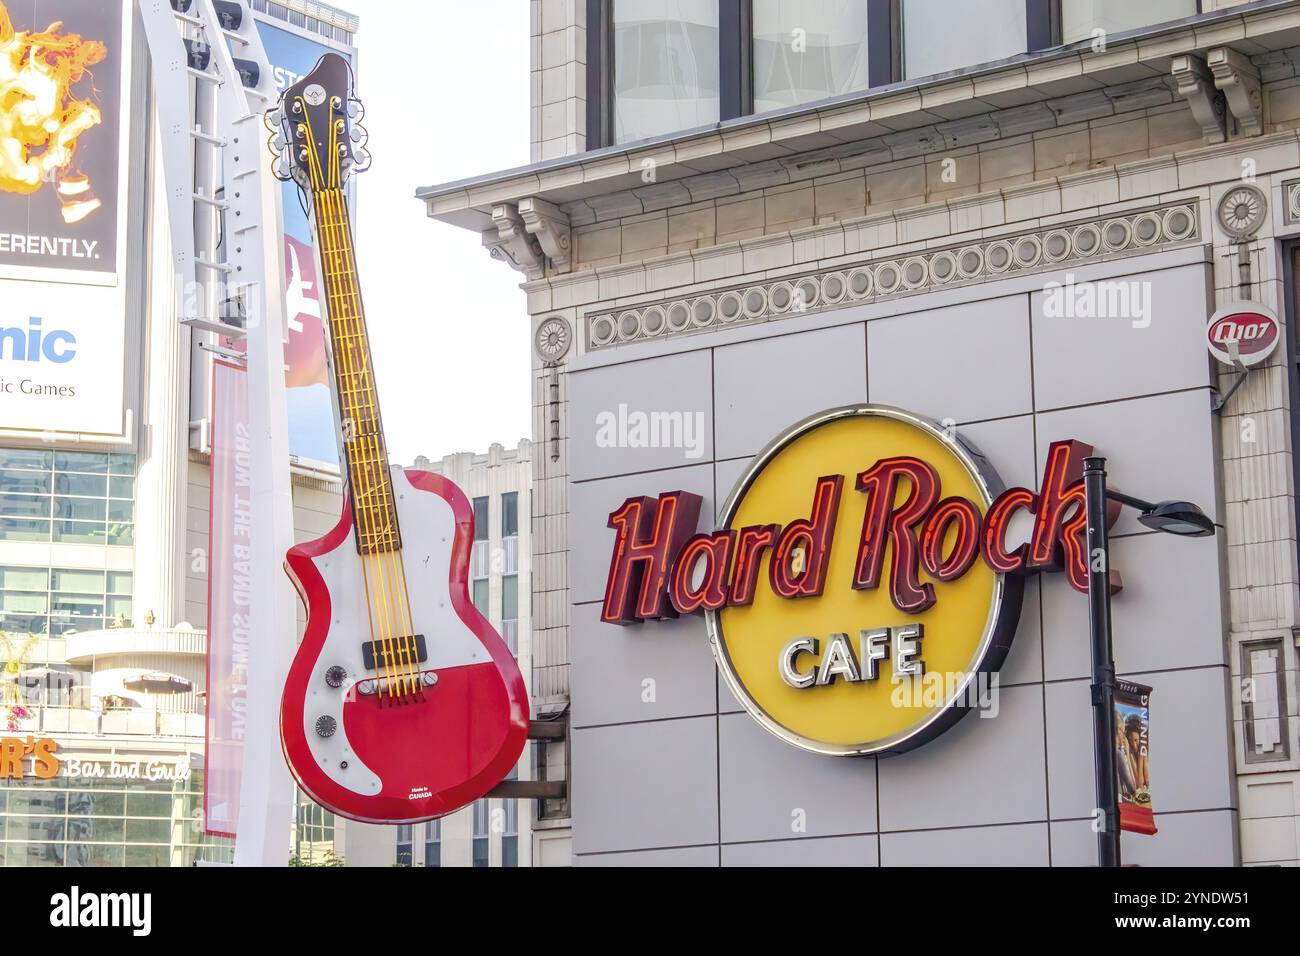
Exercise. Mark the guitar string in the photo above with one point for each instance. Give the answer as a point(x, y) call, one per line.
point(385, 548)
point(364, 519)
point(368, 520)
point(342, 358)
point(388, 549)
point(411, 682)
point(380, 532)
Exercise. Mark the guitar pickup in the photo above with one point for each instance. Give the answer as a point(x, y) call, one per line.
point(375, 655)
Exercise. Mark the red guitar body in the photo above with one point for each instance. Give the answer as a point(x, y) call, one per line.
point(389, 757)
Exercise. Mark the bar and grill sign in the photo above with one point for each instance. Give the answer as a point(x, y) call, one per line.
point(1133, 747)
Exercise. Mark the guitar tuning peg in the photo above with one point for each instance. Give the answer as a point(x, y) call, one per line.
point(355, 110)
point(361, 160)
point(277, 142)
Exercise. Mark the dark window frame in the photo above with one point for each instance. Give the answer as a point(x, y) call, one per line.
point(1042, 24)
point(509, 509)
point(482, 529)
point(735, 58)
point(884, 42)
point(1290, 314)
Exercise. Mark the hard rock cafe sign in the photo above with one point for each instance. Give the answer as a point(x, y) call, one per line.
point(864, 551)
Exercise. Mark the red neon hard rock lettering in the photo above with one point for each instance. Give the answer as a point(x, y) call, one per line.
point(655, 554)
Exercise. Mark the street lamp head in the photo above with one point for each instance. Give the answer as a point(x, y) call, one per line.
point(1178, 517)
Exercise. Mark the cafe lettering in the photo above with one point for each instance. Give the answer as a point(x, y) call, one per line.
point(863, 547)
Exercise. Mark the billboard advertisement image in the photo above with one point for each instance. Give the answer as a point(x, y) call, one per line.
point(310, 408)
point(60, 128)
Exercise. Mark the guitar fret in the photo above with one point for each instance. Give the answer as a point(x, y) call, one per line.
point(369, 478)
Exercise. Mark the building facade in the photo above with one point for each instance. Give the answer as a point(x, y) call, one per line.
point(1014, 222)
point(104, 526)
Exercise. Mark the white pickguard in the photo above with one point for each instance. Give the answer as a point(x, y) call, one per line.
point(428, 529)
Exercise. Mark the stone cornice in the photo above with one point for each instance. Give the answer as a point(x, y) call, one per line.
point(585, 286)
point(1073, 75)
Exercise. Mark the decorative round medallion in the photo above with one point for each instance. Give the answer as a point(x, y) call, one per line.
point(553, 339)
point(1242, 210)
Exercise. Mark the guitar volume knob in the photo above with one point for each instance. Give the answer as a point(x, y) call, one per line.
point(335, 676)
point(326, 725)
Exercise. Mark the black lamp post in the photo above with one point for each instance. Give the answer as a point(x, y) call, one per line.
point(1173, 517)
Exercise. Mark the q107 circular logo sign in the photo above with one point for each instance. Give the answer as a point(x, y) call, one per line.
point(1249, 330)
point(863, 580)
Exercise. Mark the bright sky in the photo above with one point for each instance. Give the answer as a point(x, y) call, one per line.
point(445, 86)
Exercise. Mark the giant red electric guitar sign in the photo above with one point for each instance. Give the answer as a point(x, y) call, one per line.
point(402, 703)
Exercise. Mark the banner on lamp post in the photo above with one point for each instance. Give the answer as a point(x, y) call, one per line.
point(1133, 746)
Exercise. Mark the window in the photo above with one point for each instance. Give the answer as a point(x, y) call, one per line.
point(665, 61)
point(105, 822)
point(479, 556)
point(1079, 18)
point(433, 843)
point(510, 612)
point(510, 838)
point(510, 532)
point(1264, 708)
point(405, 843)
point(939, 35)
point(481, 831)
point(314, 832)
point(510, 514)
point(656, 67)
point(510, 597)
point(83, 497)
point(58, 601)
point(805, 50)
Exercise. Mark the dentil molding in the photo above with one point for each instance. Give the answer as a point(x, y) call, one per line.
point(1051, 247)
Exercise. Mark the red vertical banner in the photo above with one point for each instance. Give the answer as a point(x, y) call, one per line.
point(230, 512)
point(1132, 753)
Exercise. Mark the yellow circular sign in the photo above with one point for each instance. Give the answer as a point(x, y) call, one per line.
point(838, 668)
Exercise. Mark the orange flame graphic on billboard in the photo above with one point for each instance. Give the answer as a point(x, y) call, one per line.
point(40, 119)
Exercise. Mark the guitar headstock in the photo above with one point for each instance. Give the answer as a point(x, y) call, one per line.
point(317, 136)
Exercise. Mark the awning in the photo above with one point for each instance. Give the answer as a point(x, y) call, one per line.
point(158, 682)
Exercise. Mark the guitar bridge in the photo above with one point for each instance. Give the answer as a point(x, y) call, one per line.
point(395, 652)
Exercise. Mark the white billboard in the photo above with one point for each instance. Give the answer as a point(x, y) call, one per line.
point(61, 358)
point(63, 71)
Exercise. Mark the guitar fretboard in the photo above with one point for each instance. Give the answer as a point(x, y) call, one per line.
point(374, 511)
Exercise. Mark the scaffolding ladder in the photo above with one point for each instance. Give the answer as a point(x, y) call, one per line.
point(212, 84)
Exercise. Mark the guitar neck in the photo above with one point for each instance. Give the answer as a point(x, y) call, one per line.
point(374, 509)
